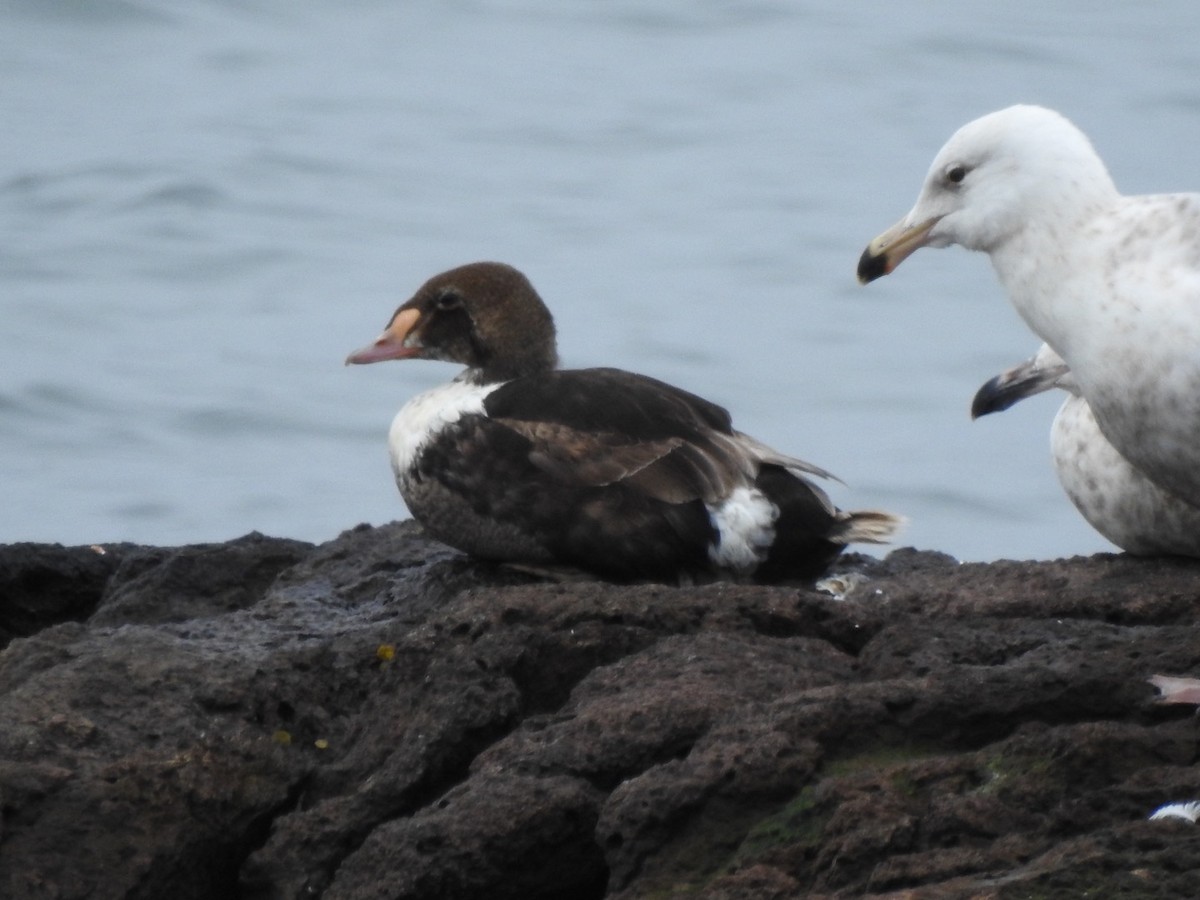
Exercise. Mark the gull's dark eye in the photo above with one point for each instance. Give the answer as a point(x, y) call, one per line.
point(955, 174)
point(448, 299)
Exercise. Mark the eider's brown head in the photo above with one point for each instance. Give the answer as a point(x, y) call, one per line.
point(485, 315)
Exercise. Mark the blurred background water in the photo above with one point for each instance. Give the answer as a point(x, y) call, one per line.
point(204, 206)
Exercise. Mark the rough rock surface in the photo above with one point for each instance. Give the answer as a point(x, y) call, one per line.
point(380, 717)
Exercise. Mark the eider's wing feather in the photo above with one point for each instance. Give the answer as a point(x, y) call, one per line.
point(770, 456)
point(603, 426)
point(608, 400)
point(587, 457)
point(668, 469)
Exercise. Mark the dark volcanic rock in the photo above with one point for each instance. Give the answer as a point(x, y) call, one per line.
point(43, 584)
point(381, 717)
point(178, 584)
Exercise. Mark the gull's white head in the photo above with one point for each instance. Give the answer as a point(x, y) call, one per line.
point(995, 177)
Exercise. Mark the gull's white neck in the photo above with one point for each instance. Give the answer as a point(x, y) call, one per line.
point(1053, 272)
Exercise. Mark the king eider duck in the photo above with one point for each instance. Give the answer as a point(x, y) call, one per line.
point(601, 470)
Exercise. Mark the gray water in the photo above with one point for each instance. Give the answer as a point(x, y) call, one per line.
point(205, 205)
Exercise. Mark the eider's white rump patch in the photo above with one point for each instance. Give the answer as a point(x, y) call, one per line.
point(745, 523)
point(422, 417)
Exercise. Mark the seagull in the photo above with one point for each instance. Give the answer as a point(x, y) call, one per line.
point(1116, 498)
point(1111, 282)
point(601, 470)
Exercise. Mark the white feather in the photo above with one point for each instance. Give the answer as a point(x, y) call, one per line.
point(1189, 811)
point(745, 523)
point(422, 417)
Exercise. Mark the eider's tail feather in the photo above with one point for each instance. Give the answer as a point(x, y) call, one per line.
point(866, 527)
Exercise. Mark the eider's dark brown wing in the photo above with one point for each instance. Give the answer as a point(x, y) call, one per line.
point(669, 469)
point(605, 426)
point(608, 400)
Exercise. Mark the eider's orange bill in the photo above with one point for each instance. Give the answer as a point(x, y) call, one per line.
point(891, 248)
point(394, 343)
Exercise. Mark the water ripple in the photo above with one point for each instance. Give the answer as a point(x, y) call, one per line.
point(92, 12)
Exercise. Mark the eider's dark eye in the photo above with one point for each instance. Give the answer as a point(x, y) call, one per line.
point(955, 174)
point(448, 299)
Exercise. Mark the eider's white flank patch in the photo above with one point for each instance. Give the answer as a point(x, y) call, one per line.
point(426, 414)
point(1189, 811)
point(745, 523)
